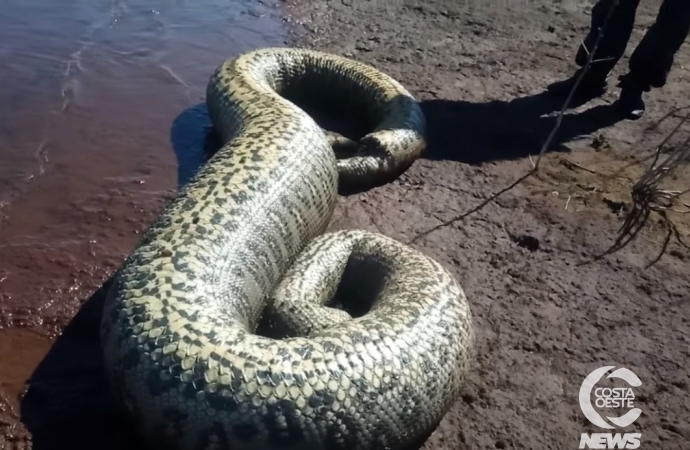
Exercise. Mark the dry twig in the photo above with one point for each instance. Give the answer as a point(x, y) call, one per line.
point(573, 165)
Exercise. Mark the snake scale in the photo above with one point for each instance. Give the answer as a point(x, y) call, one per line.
point(372, 339)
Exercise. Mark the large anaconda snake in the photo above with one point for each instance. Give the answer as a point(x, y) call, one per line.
point(243, 240)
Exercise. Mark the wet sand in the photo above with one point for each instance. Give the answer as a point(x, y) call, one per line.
point(101, 121)
point(102, 118)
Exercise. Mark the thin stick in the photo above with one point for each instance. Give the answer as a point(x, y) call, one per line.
point(667, 239)
point(667, 138)
point(669, 114)
point(569, 164)
point(475, 209)
point(571, 94)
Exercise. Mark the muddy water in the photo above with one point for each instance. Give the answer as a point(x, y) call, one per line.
point(100, 121)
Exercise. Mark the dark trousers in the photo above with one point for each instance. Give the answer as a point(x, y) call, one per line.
point(652, 59)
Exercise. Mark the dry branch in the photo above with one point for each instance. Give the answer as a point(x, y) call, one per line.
point(647, 196)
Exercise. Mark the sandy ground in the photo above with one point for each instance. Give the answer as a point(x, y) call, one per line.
point(544, 320)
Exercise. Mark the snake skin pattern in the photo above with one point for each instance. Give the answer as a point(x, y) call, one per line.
point(365, 341)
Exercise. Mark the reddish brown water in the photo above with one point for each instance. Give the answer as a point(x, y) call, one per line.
point(100, 120)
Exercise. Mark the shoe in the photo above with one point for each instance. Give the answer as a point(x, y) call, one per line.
point(630, 103)
point(591, 87)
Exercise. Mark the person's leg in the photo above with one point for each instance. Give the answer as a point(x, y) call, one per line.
point(653, 58)
point(610, 49)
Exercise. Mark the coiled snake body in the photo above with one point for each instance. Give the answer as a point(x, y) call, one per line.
point(243, 240)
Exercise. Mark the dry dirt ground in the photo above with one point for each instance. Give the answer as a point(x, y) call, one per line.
point(544, 320)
